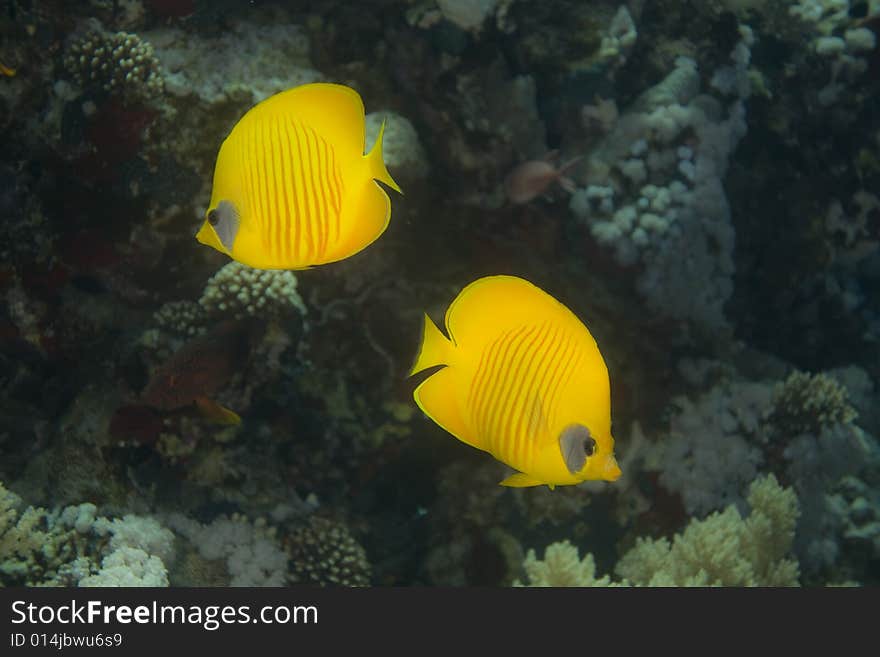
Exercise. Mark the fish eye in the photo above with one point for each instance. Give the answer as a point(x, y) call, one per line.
point(589, 445)
point(576, 444)
point(213, 217)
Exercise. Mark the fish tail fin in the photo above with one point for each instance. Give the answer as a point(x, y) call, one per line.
point(435, 348)
point(214, 412)
point(377, 164)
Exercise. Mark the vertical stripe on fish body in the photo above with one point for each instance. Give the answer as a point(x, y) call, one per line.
point(523, 380)
point(292, 186)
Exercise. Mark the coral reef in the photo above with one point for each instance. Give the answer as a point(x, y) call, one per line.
point(63, 547)
point(655, 185)
point(722, 243)
point(724, 549)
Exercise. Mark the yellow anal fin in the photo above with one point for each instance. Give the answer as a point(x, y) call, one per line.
point(436, 397)
point(522, 480)
point(214, 412)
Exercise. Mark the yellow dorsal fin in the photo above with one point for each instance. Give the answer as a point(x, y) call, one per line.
point(378, 171)
point(434, 350)
point(521, 480)
point(493, 304)
point(335, 111)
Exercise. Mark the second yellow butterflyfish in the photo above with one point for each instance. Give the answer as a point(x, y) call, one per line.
point(292, 185)
point(523, 379)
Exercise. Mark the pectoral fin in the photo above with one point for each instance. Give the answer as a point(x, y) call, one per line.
point(214, 412)
point(521, 480)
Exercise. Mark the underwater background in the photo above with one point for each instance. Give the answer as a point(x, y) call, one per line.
point(697, 181)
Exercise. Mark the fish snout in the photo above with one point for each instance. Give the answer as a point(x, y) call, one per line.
point(611, 471)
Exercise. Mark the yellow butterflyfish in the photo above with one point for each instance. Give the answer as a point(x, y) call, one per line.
point(523, 379)
point(292, 186)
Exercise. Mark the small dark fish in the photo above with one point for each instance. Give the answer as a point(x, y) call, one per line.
point(198, 370)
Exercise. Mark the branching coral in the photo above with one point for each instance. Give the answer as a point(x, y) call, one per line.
point(21, 537)
point(561, 566)
point(725, 549)
point(62, 548)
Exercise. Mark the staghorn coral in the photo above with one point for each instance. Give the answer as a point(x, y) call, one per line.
point(119, 64)
point(323, 552)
